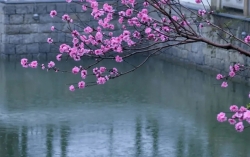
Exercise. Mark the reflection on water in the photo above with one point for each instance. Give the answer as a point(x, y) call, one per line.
point(162, 110)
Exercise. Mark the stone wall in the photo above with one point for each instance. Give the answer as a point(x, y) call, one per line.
point(209, 57)
point(26, 36)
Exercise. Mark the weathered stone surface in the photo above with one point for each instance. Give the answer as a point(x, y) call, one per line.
point(16, 19)
point(15, 39)
point(12, 29)
point(51, 7)
point(33, 48)
point(71, 8)
point(21, 49)
point(24, 9)
point(45, 18)
point(44, 47)
point(9, 49)
point(54, 49)
point(29, 38)
point(61, 7)
point(221, 54)
point(61, 37)
point(28, 19)
point(28, 28)
point(9, 9)
point(41, 8)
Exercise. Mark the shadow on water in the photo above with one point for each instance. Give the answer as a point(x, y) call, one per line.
point(161, 110)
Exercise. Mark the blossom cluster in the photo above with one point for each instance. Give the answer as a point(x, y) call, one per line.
point(232, 72)
point(239, 115)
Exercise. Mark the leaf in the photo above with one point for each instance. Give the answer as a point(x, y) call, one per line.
point(248, 106)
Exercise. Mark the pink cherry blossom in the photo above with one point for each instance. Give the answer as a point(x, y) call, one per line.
point(68, 1)
point(129, 12)
point(231, 73)
point(53, 13)
point(81, 84)
point(224, 84)
point(198, 1)
point(246, 115)
point(242, 109)
point(75, 70)
point(24, 62)
point(118, 59)
point(71, 88)
point(50, 40)
point(102, 69)
point(219, 76)
point(33, 64)
point(231, 121)
point(221, 117)
point(237, 67)
point(83, 74)
point(88, 30)
point(59, 57)
point(148, 30)
point(239, 127)
point(52, 28)
point(234, 108)
point(43, 66)
point(51, 64)
point(247, 39)
point(101, 80)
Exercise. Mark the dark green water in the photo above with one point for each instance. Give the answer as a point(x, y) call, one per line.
point(161, 110)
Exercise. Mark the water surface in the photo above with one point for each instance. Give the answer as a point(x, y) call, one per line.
point(161, 110)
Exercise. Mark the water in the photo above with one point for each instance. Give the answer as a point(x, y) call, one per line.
point(161, 110)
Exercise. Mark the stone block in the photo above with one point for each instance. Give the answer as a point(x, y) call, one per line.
point(33, 48)
point(221, 53)
point(16, 19)
point(218, 63)
point(50, 7)
point(9, 49)
point(54, 49)
point(61, 37)
point(191, 56)
point(28, 28)
point(12, 29)
point(29, 38)
point(79, 8)
point(15, 39)
point(61, 7)
point(207, 60)
point(236, 57)
point(71, 8)
point(84, 17)
point(41, 37)
point(24, 9)
point(40, 56)
point(44, 47)
point(188, 47)
point(28, 19)
point(6, 19)
point(184, 54)
point(197, 47)
point(41, 8)
point(68, 38)
point(9, 9)
point(45, 18)
point(21, 49)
